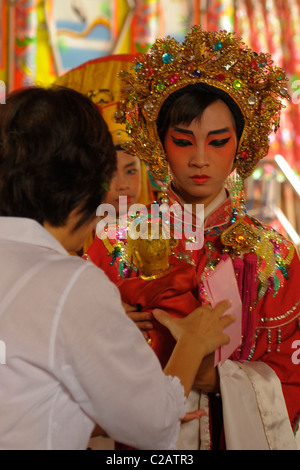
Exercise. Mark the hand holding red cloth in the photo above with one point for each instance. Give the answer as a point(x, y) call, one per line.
point(176, 293)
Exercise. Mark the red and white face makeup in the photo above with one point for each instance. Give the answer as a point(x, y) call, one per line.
point(201, 155)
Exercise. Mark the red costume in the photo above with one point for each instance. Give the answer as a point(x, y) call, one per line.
point(269, 288)
point(176, 293)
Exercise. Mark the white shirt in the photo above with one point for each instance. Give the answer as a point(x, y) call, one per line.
point(73, 357)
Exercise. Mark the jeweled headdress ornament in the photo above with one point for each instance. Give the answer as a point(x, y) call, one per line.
point(117, 130)
point(219, 60)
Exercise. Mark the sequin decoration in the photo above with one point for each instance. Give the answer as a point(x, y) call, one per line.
point(118, 249)
point(217, 46)
point(167, 58)
point(138, 66)
point(278, 340)
point(275, 255)
point(197, 73)
point(174, 77)
point(240, 236)
point(237, 84)
point(252, 100)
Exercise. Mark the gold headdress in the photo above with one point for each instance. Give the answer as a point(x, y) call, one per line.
point(98, 79)
point(216, 59)
point(116, 129)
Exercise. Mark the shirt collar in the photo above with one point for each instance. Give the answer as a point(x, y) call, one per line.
point(29, 231)
point(213, 205)
point(219, 200)
point(216, 213)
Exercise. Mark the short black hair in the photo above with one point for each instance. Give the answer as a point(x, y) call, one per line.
point(56, 155)
point(189, 103)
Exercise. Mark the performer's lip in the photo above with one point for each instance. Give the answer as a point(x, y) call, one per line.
point(129, 199)
point(200, 179)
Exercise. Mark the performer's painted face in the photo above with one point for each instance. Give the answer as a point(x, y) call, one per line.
point(126, 181)
point(201, 154)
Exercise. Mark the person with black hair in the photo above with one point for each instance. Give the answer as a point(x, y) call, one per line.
point(73, 359)
point(200, 112)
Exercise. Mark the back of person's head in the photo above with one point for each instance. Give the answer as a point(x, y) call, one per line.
point(56, 155)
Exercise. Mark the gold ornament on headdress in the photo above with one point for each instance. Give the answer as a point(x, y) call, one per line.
point(217, 59)
point(117, 130)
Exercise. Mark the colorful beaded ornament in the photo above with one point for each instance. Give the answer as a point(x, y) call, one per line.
point(217, 59)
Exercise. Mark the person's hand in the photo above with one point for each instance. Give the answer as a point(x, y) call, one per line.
point(141, 319)
point(203, 327)
point(191, 415)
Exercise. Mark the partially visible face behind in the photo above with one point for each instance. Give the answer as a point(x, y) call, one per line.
point(126, 181)
point(201, 154)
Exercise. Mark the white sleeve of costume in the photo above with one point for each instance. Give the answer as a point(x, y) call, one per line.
point(254, 410)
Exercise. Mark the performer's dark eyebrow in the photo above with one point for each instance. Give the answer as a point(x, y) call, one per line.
point(219, 131)
point(187, 131)
point(183, 131)
point(129, 165)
